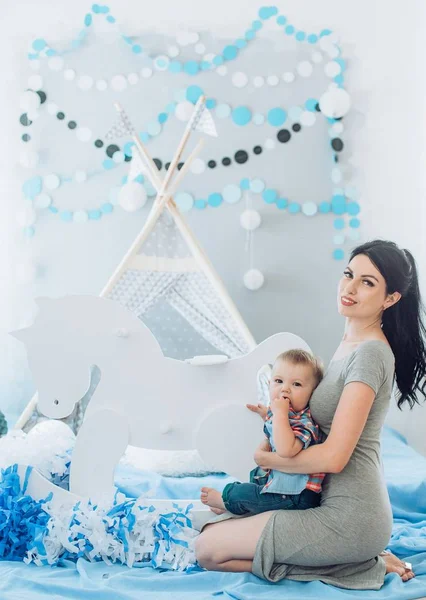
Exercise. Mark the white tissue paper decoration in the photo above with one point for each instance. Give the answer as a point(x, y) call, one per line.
point(335, 103)
point(253, 279)
point(132, 196)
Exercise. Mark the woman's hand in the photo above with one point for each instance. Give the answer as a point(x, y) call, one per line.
point(262, 451)
point(260, 409)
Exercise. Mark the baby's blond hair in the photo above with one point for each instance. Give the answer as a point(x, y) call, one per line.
point(301, 357)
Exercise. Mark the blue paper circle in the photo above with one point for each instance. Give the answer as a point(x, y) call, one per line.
point(193, 93)
point(354, 223)
point(353, 208)
point(289, 30)
point(66, 215)
point(200, 204)
point(32, 187)
point(39, 44)
point(191, 67)
point(294, 208)
point(300, 36)
point(339, 224)
point(269, 196)
point(282, 203)
point(325, 207)
point(241, 115)
point(175, 66)
point(311, 104)
point(338, 254)
point(94, 215)
point(215, 200)
point(277, 116)
point(230, 52)
point(137, 48)
point(245, 184)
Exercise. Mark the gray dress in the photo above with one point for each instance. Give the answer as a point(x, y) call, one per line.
point(339, 542)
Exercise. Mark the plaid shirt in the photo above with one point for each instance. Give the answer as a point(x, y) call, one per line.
point(308, 432)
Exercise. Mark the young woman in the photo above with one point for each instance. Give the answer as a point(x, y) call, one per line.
point(342, 541)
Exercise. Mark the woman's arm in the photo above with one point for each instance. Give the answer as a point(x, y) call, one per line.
point(333, 455)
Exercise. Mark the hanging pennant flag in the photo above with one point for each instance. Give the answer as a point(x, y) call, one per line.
point(202, 121)
point(122, 127)
point(137, 166)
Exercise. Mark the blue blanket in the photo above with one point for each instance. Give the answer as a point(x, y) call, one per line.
point(405, 472)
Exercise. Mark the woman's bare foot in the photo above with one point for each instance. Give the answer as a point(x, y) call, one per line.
point(395, 565)
point(212, 498)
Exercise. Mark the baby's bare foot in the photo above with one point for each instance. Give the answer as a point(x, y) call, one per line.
point(218, 511)
point(212, 498)
point(395, 565)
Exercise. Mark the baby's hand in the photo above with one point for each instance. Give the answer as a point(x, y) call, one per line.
point(280, 405)
point(260, 409)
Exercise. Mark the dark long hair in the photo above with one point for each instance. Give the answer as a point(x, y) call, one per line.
point(403, 322)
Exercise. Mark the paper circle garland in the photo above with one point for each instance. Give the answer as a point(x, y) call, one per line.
point(335, 103)
point(253, 279)
point(132, 196)
point(250, 219)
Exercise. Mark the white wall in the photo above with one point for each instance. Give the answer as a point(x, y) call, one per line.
point(385, 46)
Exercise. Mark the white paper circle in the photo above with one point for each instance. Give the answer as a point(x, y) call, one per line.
point(200, 48)
point(69, 74)
point(101, 85)
point(339, 239)
point(272, 80)
point(337, 128)
point(197, 166)
point(27, 216)
point(29, 101)
point(335, 103)
point(29, 159)
point(269, 144)
point(52, 108)
point(84, 134)
point(258, 81)
point(309, 209)
point(232, 193)
point(250, 219)
point(85, 82)
point(184, 201)
point(184, 110)
point(133, 78)
point(80, 176)
point(80, 216)
point(239, 79)
point(56, 63)
point(253, 279)
point(307, 118)
point(119, 157)
point(118, 83)
point(336, 175)
point(354, 234)
point(222, 70)
point(33, 114)
point(35, 65)
point(316, 57)
point(173, 51)
point(132, 196)
point(332, 69)
point(183, 38)
point(289, 77)
point(193, 37)
point(305, 68)
point(42, 201)
point(258, 119)
point(223, 111)
point(146, 72)
point(35, 82)
point(209, 57)
point(51, 181)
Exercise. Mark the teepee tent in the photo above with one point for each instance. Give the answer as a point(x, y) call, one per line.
point(166, 278)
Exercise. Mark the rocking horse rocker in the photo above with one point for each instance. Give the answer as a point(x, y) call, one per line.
point(143, 398)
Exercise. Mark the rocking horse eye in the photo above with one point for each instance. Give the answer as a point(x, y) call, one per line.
point(56, 401)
